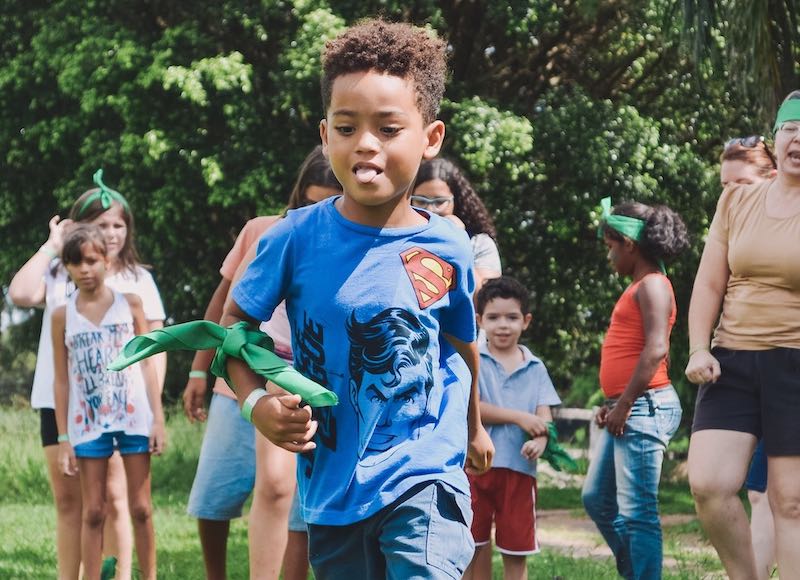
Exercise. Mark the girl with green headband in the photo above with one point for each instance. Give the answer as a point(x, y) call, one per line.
point(642, 410)
point(43, 282)
point(747, 291)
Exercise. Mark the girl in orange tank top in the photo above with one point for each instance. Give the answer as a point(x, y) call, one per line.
point(643, 412)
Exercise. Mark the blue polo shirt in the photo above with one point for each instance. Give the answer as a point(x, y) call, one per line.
point(525, 389)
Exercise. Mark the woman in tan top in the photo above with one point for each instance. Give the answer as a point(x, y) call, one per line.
point(749, 280)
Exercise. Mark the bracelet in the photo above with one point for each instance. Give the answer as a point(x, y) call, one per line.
point(48, 251)
point(250, 403)
point(63, 438)
point(198, 374)
point(695, 349)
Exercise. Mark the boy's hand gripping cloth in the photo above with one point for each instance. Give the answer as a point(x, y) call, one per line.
point(556, 455)
point(252, 346)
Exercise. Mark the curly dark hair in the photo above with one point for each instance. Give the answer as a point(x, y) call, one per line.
point(397, 49)
point(467, 206)
point(664, 235)
point(502, 287)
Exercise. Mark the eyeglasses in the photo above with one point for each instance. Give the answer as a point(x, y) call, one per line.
point(752, 142)
point(430, 202)
point(789, 129)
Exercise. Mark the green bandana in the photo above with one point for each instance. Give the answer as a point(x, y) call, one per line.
point(789, 111)
point(630, 227)
point(556, 455)
point(252, 346)
point(105, 194)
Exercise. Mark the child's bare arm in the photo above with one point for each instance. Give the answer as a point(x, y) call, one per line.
point(534, 448)
point(528, 422)
point(655, 304)
point(279, 417)
point(66, 455)
point(140, 326)
point(481, 449)
point(195, 391)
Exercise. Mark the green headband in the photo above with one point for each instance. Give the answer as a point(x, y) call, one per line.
point(105, 194)
point(789, 111)
point(630, 227)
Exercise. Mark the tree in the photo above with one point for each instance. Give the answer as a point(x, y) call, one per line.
point(200, 114)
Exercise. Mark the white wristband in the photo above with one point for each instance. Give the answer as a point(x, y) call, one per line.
point(250, 403)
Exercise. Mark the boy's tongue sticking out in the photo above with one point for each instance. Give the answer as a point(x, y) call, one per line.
point(366, 174)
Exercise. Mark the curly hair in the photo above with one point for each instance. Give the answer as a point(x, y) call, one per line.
point(397, 49)
point(467, 206)
point(664, 236)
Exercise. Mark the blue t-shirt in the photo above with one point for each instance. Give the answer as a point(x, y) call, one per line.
point(368, 308)
point(525, 389)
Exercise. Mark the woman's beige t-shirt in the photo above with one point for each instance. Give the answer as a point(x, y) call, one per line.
point(761, 308)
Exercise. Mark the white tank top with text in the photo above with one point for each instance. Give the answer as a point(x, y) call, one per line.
point(100, 400)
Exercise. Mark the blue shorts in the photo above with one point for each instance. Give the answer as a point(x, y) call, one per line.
point(103, 447)
point(757, 475)
point(296, 521)
point(424, 534)
point(226, 471)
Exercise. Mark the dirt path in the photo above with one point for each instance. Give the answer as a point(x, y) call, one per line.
point(571, 532)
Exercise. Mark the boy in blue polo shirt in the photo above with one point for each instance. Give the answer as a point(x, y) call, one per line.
point(516, 394)
point(379, 301)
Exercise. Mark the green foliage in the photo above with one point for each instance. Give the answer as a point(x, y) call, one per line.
point(200, 114)
point(544, 178)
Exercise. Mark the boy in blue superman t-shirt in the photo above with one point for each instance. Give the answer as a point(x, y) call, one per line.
point(379, 300)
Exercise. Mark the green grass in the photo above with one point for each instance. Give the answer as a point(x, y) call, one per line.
point(27, 516)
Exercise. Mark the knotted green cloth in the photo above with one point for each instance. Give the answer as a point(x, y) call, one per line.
point(105, 194)
point(630, 227)
point(252, 346)
point(556, 455)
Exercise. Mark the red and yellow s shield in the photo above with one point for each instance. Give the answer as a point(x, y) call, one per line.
point(431, 277)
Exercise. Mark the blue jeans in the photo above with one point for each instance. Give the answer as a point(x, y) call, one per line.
point(621, 489)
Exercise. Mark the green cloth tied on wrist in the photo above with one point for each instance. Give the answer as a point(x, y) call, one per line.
point(556, 455)
point(240, 341)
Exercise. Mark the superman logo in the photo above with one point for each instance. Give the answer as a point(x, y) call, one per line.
point(431, 277)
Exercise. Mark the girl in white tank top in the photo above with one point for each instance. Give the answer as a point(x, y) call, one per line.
point(98, 410)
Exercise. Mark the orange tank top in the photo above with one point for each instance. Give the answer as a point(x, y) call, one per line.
point(624, 343)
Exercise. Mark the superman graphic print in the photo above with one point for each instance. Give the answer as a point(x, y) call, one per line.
point(369, 310)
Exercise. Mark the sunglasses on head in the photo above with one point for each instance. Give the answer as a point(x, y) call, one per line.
point(750, 142)
point(433, 202)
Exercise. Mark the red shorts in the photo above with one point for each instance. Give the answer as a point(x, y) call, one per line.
point(508, 498)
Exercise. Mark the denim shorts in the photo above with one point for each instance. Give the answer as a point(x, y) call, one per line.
point(104, 446)
point(424, 534)
point(226, 471)
point(296, 521)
